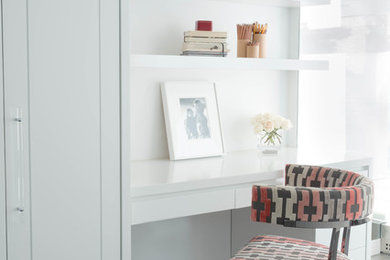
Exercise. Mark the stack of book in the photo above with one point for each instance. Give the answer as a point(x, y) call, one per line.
point(205, 43)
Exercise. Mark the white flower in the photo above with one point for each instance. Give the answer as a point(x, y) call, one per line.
point(256, 120)
point(268, 122)
point(286, 124)
point(268, 125)
point(266, 116)
point(258, 129)
point(278, 121)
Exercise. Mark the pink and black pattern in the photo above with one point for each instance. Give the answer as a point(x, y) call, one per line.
point(311, 194)
point(284, 248)
point(314, 194)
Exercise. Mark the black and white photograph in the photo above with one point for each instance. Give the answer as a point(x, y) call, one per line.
point(192, 119)
point(195, 118)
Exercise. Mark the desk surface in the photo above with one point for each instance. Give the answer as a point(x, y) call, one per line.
point(156, 177)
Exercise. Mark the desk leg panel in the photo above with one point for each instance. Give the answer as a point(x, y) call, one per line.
point(205, 237)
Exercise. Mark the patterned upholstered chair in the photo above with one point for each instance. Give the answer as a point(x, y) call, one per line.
point(314, 197)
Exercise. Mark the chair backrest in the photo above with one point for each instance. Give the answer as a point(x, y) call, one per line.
point(314, 194)
point(316, 197)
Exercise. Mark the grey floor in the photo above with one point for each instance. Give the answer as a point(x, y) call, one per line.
point(381, 257)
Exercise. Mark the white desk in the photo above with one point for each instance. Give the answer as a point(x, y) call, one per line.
point(164, 190)
point(162, 181)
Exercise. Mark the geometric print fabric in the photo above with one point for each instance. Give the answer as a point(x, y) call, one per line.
point(313, 194)
point(283, 248)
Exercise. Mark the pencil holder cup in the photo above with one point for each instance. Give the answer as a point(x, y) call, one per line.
point(241, 48)
point(262, 40)
point(252, 51)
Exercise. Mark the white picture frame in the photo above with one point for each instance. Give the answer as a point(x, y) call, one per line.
point(192, 119)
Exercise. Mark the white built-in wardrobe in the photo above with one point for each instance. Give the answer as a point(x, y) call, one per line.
point(60, 183)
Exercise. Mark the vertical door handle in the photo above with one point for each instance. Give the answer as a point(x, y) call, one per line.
point(19, 159)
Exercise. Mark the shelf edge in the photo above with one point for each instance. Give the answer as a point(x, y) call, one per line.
point(186, 62)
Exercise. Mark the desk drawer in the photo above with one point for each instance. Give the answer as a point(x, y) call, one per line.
point(243, 197)
point(244, 194)
point(155, 209)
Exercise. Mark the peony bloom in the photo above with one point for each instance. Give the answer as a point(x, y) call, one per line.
point(268, 125)
point(268, 122)
point(258, 129)
point(278, 120)
point(286, 124)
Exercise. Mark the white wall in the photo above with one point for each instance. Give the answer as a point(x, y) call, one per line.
point(240, 96)
point(322, 106)
point(351, 103)
point(157, 28)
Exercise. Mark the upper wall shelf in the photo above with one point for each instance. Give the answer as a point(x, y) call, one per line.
point(281, 3)
point(191, 62)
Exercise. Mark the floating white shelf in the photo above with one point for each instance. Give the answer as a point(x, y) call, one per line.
point(280, 3)
point(191, 62)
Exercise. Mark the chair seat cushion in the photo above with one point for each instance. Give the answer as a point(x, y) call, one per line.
point(284, 248)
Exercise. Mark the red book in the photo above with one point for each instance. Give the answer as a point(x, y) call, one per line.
point(204, 25)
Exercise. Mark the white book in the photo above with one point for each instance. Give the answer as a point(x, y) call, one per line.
point(204, 40)
point(204, 46)
point(203, 50)
point(200, 53)
point(205, 34)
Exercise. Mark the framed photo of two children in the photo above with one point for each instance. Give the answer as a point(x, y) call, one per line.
point(192, 119)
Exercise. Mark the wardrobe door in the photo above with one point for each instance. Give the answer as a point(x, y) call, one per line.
point(3, 228)
point(61, 93)
point(16, 122)
point(3, 232)
point(65, 134)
